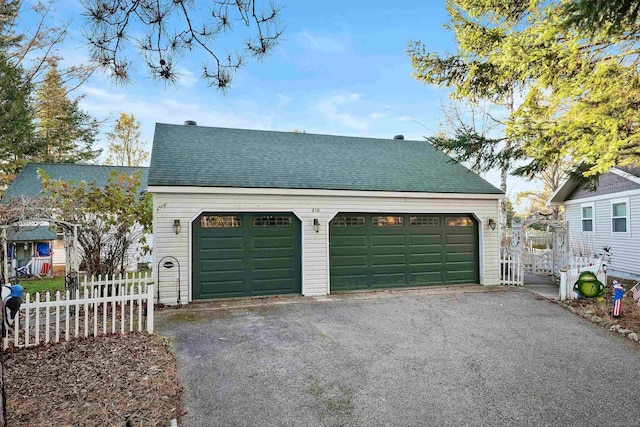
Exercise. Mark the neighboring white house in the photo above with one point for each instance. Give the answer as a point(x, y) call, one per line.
point(250, 213)
point(29, 184)
point(610, 215)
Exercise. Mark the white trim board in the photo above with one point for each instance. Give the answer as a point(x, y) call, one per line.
point(568, 185)
point(611, 196)
point(315, 192)
point(328, 255)
point(562, 188)
point(626, 175)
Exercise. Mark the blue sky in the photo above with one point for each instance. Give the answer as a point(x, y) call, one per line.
point(340, 69)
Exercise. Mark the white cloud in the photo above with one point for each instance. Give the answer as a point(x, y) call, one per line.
point(322, 42)
point(186, 78)
point(102, 94)
point(151, 105)
point(284, 100)
point(333, 109)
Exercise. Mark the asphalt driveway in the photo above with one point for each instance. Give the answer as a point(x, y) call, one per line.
point(406, 359)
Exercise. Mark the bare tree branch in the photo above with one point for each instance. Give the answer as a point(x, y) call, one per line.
point(172, 27)
point(36, 48)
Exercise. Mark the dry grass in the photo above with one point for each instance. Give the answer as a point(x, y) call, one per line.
point(601, 307)
point(93, 382)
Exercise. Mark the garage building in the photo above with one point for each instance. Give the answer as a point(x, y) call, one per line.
point(253, 213)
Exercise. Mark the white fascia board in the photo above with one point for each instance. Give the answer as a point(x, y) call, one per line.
point(314, 192)
point(626, 175)
point(567, 186)
point(611, 196)
point(561, 193)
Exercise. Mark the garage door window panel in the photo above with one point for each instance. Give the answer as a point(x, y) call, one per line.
point(272, 221)
point(424, 221)
point(221, 221)
point(348, 221)
point(459, 221)
point(388, 221)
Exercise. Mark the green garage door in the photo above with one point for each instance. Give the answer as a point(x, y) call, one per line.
point(389, 250)
point(245, 254)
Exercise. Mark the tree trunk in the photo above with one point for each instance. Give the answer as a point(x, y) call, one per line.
point(504, 171)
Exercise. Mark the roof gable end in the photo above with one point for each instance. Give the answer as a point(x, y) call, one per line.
point(617, 180)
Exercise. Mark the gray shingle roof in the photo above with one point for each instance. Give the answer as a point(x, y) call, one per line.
point(218, 157)
point(30, 233)
point(28, 183)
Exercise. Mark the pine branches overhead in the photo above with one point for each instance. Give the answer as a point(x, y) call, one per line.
point(173, 27)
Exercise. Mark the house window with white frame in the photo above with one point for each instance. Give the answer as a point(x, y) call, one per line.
point(588, 211)
point(620, 216)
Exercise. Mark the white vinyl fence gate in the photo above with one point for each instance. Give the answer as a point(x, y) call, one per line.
point(102, 306)
point(511, 270)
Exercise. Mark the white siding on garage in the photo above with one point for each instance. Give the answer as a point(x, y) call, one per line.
point(625, 248)
point(186, 206)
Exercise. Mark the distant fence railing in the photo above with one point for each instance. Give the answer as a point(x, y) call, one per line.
point(580, 261)
point(98, 307)
point(540, 241)
point(538, 261)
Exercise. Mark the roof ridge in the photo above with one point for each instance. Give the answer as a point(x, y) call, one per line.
point(83, 164)
point(299, 133)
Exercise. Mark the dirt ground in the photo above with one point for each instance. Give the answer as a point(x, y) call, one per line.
point(93, 382)
point(601, 307)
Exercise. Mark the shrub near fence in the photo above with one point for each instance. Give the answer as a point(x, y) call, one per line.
point(100, 307)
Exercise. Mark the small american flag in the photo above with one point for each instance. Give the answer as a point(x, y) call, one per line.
point(635, 291)
point(618, 293)
point(617, 307)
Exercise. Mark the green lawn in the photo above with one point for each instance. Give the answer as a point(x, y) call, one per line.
point(46, 284)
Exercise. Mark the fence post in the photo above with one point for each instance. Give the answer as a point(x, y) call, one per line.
point(563, 284)
point(150, 309)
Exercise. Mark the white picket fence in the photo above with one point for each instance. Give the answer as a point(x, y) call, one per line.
point(539, 262)
point(511, 271)
point(101, 306)
point(578, 262)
